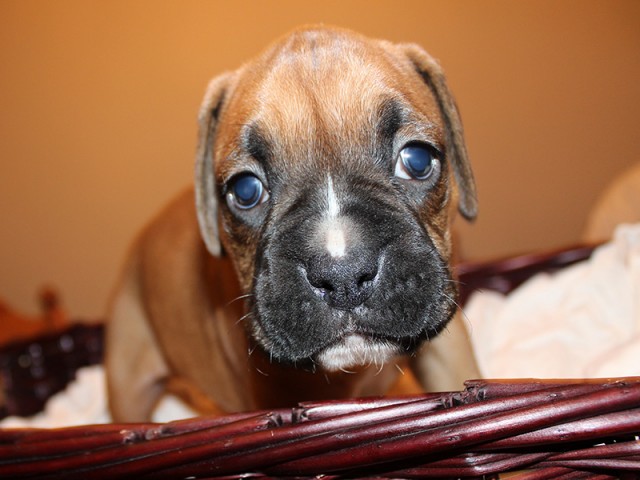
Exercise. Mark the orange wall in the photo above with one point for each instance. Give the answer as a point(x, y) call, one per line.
point(98, 102)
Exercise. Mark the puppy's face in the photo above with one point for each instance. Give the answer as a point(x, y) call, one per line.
point(332, 183)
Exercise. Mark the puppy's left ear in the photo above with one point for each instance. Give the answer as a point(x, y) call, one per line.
point(433, 76)
point(205, 183)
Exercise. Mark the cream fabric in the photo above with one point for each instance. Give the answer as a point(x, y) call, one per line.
point(583, 321)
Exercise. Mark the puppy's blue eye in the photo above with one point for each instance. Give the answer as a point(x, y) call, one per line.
point(416, 161)
point(246, 191)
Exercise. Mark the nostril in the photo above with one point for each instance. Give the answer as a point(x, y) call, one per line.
point(367, 278)
point(318, 280)
point(321, 286)
point(325, 286)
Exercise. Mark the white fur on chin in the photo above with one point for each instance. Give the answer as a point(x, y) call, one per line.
point(354, 351)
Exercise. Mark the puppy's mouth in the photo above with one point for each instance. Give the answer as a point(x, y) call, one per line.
point(355, 350)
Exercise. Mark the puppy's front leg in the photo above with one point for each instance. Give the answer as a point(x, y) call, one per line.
point(136, 371)
point(444, 363)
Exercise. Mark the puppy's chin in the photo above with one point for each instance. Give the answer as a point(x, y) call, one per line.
point(354, 350)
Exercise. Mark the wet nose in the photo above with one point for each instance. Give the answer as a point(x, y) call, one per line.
point(343, 282)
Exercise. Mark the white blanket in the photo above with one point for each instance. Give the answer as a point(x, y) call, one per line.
point(578, 323)
point(582, 322)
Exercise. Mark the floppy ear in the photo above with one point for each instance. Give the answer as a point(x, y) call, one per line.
point(433, 76)
point(205, 184)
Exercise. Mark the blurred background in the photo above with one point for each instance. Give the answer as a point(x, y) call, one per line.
point(98, 101)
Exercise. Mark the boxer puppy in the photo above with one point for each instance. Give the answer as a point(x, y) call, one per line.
point(316, 254)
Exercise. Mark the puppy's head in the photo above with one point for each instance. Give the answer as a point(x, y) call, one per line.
point(324, 171)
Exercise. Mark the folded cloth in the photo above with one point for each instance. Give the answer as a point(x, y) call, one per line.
point(581, 322)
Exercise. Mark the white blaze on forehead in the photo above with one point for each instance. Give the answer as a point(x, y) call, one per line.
point(335, 239)
point(333, 209)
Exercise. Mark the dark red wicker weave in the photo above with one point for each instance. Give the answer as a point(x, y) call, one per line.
point(585, 428)
point(541, 429)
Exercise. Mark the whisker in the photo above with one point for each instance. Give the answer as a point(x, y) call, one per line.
point(239, 297)
point(462, 312)
point(243, 318)
point(426, 332)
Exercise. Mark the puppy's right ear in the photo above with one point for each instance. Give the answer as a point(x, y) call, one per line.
point(205, 183)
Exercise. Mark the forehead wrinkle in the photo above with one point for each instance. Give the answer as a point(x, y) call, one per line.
point(255, 143)
point(335, 70)
point(283, 100)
